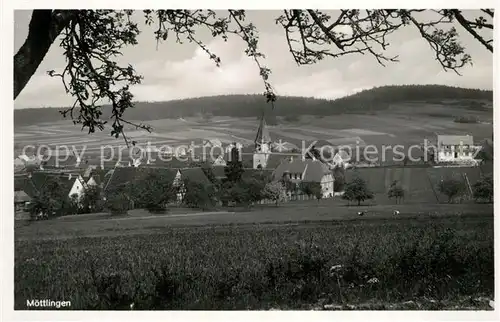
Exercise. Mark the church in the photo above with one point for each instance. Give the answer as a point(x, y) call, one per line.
point(262, 146)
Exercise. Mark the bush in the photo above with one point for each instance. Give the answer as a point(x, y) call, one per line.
point(483, 189)
point(452, 187)
point(199, 195)
point(91, 201)
point(275, 191)
point(396, 191)
point(154, 192)
point(117, 203)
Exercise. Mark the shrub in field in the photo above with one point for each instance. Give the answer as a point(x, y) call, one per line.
point(199, 195)
point(311, 189)
point(92, 199)
point(358, 191)
point(396, 191)
point(452, 187)
point(73, 206)
point(230, 193)
point(254, 187)
point(117, 203)
point(154, 192)
point(483, 189)
point(275, 191)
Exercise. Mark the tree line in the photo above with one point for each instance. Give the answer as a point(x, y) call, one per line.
point(366, 101)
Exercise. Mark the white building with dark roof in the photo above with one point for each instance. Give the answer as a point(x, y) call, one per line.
point(455, 148)
point(298, 170)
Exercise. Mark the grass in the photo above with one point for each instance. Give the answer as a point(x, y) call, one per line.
point(240, 265)
point(297, 212)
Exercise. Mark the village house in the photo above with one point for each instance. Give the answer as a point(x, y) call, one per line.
point(455, 149)
point(71, 183)
point(21, 198)
point(298, 170)
point(120, 177)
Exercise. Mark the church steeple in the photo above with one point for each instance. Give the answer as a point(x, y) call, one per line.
point(263, 139)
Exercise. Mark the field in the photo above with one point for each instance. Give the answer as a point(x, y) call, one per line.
point(403, 124)
point(430, 257)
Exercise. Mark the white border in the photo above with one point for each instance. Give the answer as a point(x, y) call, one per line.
point(6, 168)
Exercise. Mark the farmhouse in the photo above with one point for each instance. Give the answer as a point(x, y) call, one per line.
point(21, 198)
point(120, 177)
point(71, 183)
point(299, 170)
point(455, 148)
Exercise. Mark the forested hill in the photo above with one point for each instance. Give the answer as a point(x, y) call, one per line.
point(378, 98)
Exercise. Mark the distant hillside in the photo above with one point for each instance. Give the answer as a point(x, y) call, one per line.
point(378, 98)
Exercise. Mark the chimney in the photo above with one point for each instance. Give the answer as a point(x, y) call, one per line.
point(69, 176)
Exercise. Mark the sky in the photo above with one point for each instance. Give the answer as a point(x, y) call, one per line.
point(175, 71)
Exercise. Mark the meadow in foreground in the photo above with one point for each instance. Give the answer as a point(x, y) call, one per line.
point(265, 266)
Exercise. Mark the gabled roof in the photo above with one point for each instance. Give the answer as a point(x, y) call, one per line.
point(21, 196)
point(168, 173)
point(20, 182)
point(195, 175)
point(172, 163)
point(122, 176)
point(262, 132)
point(40, 179)
point(23, 183)
point(313, 170)
point(275, 159)
point(455, 140)
point(119, 177)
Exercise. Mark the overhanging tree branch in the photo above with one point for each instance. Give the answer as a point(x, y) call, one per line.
point(45, 26)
